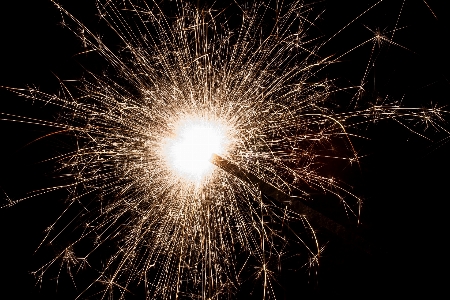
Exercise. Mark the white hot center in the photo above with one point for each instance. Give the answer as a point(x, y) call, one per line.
point(190, 150)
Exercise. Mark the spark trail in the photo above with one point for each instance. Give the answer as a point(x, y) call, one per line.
point(257, 78)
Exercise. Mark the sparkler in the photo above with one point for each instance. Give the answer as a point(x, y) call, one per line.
point(186, 84)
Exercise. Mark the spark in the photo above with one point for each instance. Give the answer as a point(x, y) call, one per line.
point(434, 15)
point(187, 85)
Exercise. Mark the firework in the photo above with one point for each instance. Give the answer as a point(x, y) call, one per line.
point(188, 83)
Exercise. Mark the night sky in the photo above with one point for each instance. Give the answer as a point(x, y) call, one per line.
point(403, 178)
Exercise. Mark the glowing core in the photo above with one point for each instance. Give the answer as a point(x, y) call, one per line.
point(189, 151)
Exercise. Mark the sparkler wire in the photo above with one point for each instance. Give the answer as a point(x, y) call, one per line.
point(314, 216)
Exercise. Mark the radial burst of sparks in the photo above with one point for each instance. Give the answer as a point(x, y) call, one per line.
point(187, 83)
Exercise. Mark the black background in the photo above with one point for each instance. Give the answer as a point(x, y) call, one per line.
point(403, 179)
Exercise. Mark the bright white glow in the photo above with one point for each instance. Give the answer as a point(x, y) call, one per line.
point(189, 151)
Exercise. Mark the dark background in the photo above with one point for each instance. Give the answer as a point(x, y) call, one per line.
point(403, 179)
